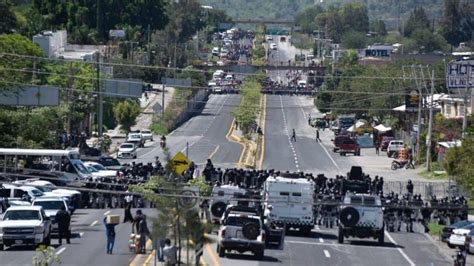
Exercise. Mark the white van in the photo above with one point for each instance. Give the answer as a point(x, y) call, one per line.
point(302, 84)
point(291, 200)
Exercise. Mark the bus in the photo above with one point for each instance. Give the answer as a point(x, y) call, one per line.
point(61, 167)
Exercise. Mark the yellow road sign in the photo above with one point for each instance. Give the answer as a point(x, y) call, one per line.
point(180, 163)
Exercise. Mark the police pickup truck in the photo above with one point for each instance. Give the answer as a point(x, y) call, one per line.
point(361, 216)
point(25, 225)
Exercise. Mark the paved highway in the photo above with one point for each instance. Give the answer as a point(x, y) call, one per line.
point(87, 243)
point(204, 135)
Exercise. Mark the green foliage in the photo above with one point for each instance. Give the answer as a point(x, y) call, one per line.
point(457, 23)
point(46, 256)
point(204, 189)
point(126, 113)
point(80, 17)
point(378, 26)
point(417, 21)
point(427, 41)
point(354, 40)
point(248, 110)
point(458, 163)
point(306, 19)
point(8, 22)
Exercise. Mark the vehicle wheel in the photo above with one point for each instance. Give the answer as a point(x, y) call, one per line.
point(451, 246)
point(381, 237)
point(134, 157)
point(259, 255)
point(221, 251)
point(394, 166)
point(251, 230)
point(334, 150)
point(340, 236)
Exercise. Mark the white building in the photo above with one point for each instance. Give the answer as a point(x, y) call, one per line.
point(452, 106)
point(54, 45)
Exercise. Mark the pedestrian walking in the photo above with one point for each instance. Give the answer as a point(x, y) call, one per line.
point(63, 219)
point(110, 233)
point(309, 119)
point(169, 253)
point(377, 147)
point(317, 136)
point(293, 135)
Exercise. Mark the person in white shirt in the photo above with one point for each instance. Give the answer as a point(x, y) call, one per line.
point(169, 252)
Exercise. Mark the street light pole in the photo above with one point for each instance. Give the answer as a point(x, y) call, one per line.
point(430, 126)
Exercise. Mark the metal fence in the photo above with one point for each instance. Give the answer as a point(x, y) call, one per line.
point(425, 189)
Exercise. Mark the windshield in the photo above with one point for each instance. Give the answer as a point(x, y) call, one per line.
point(126, 146)
point(21, 215)
point(99, 167)
point(135, 136)
point(146, 132)
point(49, 205)
point(92, 169)
point(36, 193)
point(110, 162)
point(80, 167)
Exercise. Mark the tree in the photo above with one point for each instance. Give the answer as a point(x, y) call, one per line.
point(378, 26)
point(355, 17)
point(8, 21)
point(427, 41)
point(306, 19)
point(417, 21)
point(353, 40)
point(457, 23)
point(126, 113)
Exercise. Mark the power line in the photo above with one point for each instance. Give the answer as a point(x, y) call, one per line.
point(200, 71)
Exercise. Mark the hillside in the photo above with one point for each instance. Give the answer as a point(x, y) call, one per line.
point(287, 9)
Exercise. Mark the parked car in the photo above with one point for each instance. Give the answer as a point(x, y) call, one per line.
point(147, 135)
point(110, 163)
point(448, 229)
point(99, 170)
point(458, 237)
point(269, 38)
point(127, 150)
point(394, 147)
point(470, 242)
point(273, 46)
point(51, 206)
point(137, 139)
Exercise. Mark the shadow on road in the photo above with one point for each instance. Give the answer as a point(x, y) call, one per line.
point(373, 244)
point(235, 256)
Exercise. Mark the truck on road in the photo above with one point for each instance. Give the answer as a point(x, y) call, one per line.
point(25, 225)
point(291, 200)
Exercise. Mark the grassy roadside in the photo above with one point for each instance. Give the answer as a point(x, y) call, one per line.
point(435, 229)
point(174, 109)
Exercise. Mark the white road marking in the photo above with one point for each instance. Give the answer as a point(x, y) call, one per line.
point(60, 250)
point(107, 212)
point(93, 223)
point(326, 253)
point(400, 250)
point(321, 240)
point(81, 234)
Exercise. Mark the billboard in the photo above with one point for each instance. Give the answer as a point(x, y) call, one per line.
point(460, 74)
point(116, 33)
point(412, 99)
point(123, 88)
point(30, 96)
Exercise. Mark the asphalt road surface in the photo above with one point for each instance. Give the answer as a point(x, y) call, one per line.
point(322, 248)
point(203, 136)
point(88, 242)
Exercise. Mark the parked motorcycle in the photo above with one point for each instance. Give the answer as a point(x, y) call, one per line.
point(400, 164)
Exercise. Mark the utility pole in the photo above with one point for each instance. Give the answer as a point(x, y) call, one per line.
point(430, 126)
point(418, 133)
point(100, 111)
point(464, 117)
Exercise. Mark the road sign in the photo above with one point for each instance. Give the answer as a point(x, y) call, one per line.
point(189, 199)
point(412, 100)
point(180, 163)
point(123, 88)
point(460, 74)
point(31, 96)
point(117, 33)
point(177, 82)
